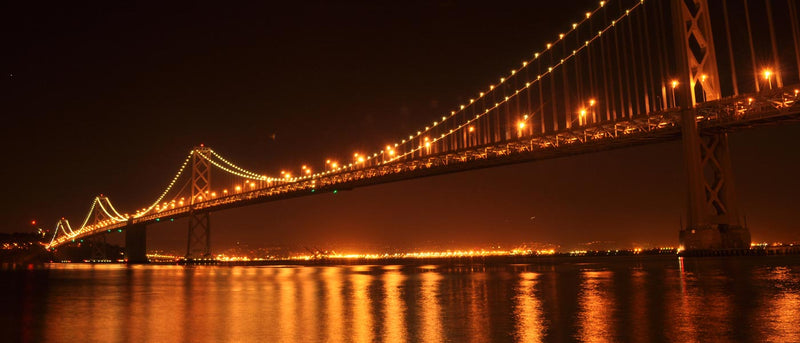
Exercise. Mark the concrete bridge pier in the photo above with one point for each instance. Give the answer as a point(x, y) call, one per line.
point(136, 243)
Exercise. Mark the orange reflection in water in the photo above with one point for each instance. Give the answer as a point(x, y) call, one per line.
point(478, 307)
point(639, 309)
point(394, 307)
point(528, 310)
point(308, 292)
point(783, 310)
point(596, 307)
point(288, 303)
point(362, 317)
point(334, 314)
point(430, 308)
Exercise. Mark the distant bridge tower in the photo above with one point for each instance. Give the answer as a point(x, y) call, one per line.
point(713, 219)
point(199, 242)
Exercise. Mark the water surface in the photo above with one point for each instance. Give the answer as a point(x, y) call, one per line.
point(613, 299)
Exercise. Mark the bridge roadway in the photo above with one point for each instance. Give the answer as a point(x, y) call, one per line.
point(729, 114)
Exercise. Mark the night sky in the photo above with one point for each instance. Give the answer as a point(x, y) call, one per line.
point(110, 97)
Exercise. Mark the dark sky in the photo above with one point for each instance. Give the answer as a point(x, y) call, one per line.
point(109, 97)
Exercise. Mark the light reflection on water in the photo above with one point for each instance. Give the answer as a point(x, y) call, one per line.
point(639, 299)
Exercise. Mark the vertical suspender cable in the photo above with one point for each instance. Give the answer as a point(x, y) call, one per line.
point(634, 66)
point(662, 56)
point(604, 68)
point(752, 49)
point(795, 33)
point(619, 66)
point(775, 56)
point(541, 93)
point(553, 92)
point(576, 61)
point(592, 86)
point(730, 47)
point(567, 101)
point(644, 50)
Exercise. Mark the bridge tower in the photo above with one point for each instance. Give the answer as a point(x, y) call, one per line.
point(712, 218)
point(98, 242)
point(199, 242)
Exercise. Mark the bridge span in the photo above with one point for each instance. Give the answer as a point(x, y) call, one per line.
point(614, 79)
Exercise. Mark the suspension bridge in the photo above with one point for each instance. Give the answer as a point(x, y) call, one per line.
point(625, 73)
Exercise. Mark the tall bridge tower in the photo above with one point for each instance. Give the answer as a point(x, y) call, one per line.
point(199, 242)
point(712, 218)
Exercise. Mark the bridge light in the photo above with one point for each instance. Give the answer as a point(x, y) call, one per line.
point(521, 125)
point(592, 102)
point(239, 188)
point(768, 77)
point(471, 129)
point(674, 83)
point(703, 78)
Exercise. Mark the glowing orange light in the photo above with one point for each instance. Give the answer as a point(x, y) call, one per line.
point(592, 102)
point(674, 84)
point(471, 129)
point(521, 125)
point(767, 73)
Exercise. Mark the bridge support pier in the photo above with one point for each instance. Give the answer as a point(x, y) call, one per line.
point(136, 243)
point(713, 220)
point(99, 247)
point(199, 242)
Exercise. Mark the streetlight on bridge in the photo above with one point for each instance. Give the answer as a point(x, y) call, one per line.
point(768, 77)
point(674, 85)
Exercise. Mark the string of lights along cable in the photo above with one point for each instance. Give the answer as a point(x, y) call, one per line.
point(608, 79)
